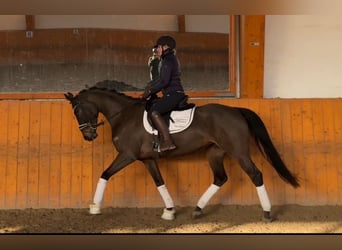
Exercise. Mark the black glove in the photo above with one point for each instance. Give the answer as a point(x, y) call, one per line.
point(147, 93)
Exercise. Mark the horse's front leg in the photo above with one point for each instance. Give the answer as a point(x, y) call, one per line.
point(169, 210)
point(121, 161)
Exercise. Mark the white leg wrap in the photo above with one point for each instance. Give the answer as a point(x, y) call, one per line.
point(263, 197)
point(166, 196)
point(212, 189)
point(100, 188)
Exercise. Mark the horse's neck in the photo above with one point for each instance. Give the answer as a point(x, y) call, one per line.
point(110, 105)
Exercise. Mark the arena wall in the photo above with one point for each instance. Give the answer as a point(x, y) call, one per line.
point(45, 163)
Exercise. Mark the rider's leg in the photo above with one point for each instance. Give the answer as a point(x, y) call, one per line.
point(166, 142)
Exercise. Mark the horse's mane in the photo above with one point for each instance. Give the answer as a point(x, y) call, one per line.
point(112, 87)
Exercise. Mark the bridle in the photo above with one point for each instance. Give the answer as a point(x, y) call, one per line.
point(90, 125)
point(87, 124)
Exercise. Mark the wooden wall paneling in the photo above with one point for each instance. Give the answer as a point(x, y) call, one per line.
point(338, 147)
point(23, 155)
point(76, 165)
point(46, 162)
point(170, 176)
point(66, 155)
point(297, 144)
point(286, 124)
point(34, 157)
point(129, 188)
point(4, 111)
point(150, 188)
point(194, 176)
point(329, 113)
point(140, 187)
point(12, 152)
point(205, 179)
point(87, 171)
point(184, 177)
point(276, 185)
point(55, 154)
point(309, 154)
point(320, 166)
point(44, 154)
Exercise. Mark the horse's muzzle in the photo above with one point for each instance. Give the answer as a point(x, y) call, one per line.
point(89, 136)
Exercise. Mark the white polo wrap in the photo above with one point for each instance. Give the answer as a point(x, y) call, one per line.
point(263, 197)
point(165, 196)
point(100, 188)
point(212, 189)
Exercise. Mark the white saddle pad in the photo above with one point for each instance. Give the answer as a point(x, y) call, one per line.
point(181, 120)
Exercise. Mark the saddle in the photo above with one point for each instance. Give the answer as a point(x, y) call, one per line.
point(178, 119)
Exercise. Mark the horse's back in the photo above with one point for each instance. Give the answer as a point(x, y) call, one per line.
point(221, 118)
point(219, 111)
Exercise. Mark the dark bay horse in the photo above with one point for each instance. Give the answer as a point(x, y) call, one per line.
point(220, 130)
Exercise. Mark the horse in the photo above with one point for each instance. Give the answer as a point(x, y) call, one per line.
point(222, 131)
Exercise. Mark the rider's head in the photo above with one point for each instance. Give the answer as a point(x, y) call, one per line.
point(168, 41)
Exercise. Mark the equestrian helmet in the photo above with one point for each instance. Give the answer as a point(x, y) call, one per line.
point(167, 40)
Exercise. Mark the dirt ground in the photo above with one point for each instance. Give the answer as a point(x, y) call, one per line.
point(216, 219)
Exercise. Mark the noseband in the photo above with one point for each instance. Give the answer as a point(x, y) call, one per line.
point(90, 125)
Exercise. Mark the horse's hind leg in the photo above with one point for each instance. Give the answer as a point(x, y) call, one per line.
point(215, 157)
point(256, 176)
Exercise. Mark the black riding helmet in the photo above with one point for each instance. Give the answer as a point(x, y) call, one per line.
point(166, 40)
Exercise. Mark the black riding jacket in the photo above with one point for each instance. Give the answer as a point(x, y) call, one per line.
point(169, 76)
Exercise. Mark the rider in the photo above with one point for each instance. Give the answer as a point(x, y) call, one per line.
point(169, 83)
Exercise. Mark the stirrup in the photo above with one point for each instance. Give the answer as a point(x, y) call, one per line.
point(169, 146)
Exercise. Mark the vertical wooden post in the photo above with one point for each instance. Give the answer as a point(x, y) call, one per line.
point(30, 22)
point(232, 54)
point(252, 56)
point(181, 23)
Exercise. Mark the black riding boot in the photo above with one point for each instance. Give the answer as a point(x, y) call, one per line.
point(166, 142)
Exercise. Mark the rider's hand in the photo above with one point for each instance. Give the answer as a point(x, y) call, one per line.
point(146, 93)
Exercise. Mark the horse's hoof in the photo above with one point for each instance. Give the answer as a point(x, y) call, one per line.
point(267, 217)
point(197, 213)
point(94, 209)
point(168, 214)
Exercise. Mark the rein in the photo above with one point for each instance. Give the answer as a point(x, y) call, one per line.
point(94, 126)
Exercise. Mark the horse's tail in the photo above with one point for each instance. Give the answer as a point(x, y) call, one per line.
point(257, 126)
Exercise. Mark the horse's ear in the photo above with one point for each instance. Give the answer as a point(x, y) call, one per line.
point(69, 96)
